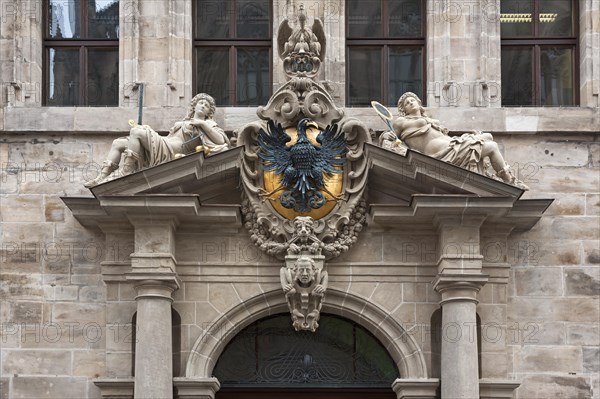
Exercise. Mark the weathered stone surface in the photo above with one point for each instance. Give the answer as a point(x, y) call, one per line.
point(119, 365)
point(4, 387)
point(89, 363)
point(196, 291)
point(564, 359)
point(92, 294)
point(36, 362)
point(554, 180)
point(21, 286)
point(368, 248)
point(54, 209)
point(23, 208)
point(187, 311)
point(80, 312)
point(584, 281)
point(388, 296)
point(48, 387)
point(414, 292)
point(205, 313)
point(583, 334)
point(534, 333)
point(591, 359)
point(592, 205)
point(409, 249)
point(591, 252)
point(554, 386)
point(26, 312)
point(535, 251)
point(222, 296)
point(538, 281)
point(546, 154)
point(558, 309)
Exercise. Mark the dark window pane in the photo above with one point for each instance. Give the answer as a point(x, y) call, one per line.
point(212, 73)
point(64, 19)
point(365, 75)
point(253, 19)
point(103, 77)
point(556, 18)
point(405, 71)
point(269, 353)
point(103, 19)
point(405, 18)
point(63, 77)
point(212, 19)
point(556, 82)
point(364, 18)
point(516, 18)
point(517, 80)
point(252, 76)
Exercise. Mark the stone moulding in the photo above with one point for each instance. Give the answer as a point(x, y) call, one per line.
point(399, 343)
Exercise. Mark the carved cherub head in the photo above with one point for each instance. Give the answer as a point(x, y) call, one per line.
point(305, 270)
point(196, 99)
point(304, 226)
point(402, 100)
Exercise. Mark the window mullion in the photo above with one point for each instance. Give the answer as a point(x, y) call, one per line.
point(233, 75)
point(537, 71)
point(536, 18)
point(83, 75)
point(385, 24)
point(384, 74)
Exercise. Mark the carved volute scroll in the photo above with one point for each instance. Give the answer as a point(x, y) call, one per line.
point(305, 149)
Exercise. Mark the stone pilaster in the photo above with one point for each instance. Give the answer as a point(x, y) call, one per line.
point(154, 351)
point(154, 278)
point(459, 280)
point(463, 42)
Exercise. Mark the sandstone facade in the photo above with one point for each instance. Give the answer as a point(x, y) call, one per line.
point(67, 307)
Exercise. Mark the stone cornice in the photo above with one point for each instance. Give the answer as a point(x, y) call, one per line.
point(512, 120)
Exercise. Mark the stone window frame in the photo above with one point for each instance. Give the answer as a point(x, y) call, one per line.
point(234, 44)
point(83, 44)
point(535, 42)
point(385, 43)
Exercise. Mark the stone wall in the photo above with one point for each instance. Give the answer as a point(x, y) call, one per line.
point(62, 326)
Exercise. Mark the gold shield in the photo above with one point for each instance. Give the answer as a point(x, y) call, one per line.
point(333, 184)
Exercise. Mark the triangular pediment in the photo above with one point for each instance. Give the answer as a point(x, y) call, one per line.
point(213, 179)
point(401, 188)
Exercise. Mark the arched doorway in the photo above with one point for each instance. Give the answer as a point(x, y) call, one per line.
point(268, 359)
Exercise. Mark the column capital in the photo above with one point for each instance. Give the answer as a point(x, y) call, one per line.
point(459, 287)
point(417, 388)
point(159, 286)
point(197, 388)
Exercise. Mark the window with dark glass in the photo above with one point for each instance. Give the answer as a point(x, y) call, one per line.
point(385, 49)
point(539, 52)
point(81, 53)
point(271, 354)
point(232, 50)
